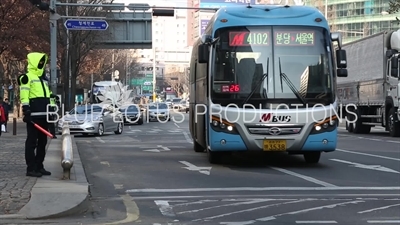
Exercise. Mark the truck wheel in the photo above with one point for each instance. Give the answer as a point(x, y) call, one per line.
point(360, 128)
point(349, 127)
point(394, 127)
point(312, 157)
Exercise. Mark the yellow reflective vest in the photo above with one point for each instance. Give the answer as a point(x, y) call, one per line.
point(34, 90)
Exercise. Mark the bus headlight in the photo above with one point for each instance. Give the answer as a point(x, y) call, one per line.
point(221, 125)
point(327, 125)
point(215, 123)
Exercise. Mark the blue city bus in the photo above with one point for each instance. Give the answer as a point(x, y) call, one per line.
point(258, 75)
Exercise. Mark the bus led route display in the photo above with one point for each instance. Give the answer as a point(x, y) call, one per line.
point(294, 38)
point(248, 38)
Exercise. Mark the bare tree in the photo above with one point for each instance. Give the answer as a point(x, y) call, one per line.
point(177, 77)
point(81, 44)
point(99, 63)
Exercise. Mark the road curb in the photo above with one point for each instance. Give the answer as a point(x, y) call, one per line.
point(52, 197)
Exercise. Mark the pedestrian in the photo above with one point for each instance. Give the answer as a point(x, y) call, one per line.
point(35, 98)
point(7, 108)
point(2, 117)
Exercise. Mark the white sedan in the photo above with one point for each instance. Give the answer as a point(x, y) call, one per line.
point(158, 112)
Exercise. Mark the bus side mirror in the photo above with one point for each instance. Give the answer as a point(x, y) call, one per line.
point(203, 53)
point(341, 59)
point(341, 72)
point(394, 63)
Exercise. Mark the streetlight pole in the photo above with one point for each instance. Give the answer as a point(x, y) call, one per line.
point(154, 73)
point(326, 9)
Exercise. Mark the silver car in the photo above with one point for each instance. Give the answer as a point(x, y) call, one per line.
point(93, 119)
point(158, 111)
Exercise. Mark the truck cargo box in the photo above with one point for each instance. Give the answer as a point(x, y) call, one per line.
point(365, 59)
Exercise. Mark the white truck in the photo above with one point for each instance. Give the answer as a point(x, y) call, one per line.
point(369, 96)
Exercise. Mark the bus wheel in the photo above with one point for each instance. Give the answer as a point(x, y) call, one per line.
point(312, 157)
point(214, 157)
point(197, 147)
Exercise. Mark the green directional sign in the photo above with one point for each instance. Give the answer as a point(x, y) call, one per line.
point(145, 83)
point(141, 81)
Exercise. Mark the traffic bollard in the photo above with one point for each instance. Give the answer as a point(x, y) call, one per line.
point(14, 126)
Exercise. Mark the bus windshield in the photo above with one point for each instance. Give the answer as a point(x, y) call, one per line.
point(300, 54)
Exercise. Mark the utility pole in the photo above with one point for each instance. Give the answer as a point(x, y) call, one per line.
point(154, 74)
point(53, 45)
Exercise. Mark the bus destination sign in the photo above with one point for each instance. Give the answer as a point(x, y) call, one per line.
point(294, 38)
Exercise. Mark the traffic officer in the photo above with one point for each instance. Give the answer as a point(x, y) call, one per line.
point(35, 98)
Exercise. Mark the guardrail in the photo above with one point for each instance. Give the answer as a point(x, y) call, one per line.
point(67, 158)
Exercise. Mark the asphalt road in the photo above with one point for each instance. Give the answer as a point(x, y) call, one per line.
point(150, 175)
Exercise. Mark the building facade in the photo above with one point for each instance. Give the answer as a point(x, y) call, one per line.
point(356, 19)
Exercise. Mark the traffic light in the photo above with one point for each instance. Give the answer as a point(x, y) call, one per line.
point(40, 5)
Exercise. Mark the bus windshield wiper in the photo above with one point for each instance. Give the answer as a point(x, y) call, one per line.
point(265, 75)
point(290, 84)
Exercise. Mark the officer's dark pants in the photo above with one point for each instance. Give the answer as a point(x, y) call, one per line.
point(52, 128)
point(35, 140)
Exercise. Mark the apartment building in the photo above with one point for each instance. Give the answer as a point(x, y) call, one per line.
point(356, 19)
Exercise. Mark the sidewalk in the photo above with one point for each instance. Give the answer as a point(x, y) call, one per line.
point(20, 196)
point(15, 187)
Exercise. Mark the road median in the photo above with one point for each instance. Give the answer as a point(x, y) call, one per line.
point(54, 197)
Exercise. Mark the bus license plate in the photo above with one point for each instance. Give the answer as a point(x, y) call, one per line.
point(274, 145)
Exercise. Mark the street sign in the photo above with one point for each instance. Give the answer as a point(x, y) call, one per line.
point(72, 24)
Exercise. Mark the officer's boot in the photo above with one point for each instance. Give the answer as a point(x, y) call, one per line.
point(33, 174)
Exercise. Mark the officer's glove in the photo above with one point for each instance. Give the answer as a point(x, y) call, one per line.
point(53, 96)
point(27, 114)
point(27, 119)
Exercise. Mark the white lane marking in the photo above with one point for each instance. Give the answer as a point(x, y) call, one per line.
point(191, 167)
point(165, 208)
point(225, 205)
point(383, 221)
point(118, 186)
point(159, 148)
point(375, 209)
point(238, 223)
point(328, 195)
point(249, 210)
point(370, 139)
point(195, 203)
point(368, 167)
point(374, 139)
point(105, 163)
point(101, 140)
point(366, 154)
point(154, 190)
point(177, 125)
point(312, 222)
point(187, 137)
point(330, 206)
point(307, 178)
